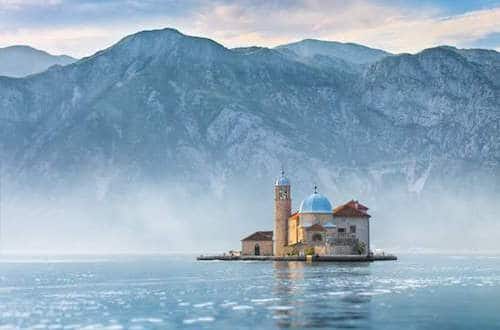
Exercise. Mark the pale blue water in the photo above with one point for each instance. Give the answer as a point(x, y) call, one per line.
point(416, 292)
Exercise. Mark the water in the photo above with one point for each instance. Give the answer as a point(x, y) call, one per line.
point(416, 292)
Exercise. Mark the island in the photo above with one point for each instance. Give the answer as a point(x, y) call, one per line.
point(315, 232)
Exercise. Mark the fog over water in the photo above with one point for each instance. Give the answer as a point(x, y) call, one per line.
point(188, 217)
point(167, 143)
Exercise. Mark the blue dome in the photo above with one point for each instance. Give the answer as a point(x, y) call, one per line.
point(316, 203)
point(282, 181)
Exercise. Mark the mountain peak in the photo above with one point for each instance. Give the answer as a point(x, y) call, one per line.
point(22, 47)
point(22, 60)
point(28, 49)
point(349, 52)
point(162, 43)
point(156, 33)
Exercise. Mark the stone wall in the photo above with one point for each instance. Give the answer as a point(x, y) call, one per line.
point(362, 229)
point(342, 250)
point(265, 247)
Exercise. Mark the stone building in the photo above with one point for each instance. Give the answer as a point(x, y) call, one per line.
point(259, 243)
point(353, 224)
point(315, 228)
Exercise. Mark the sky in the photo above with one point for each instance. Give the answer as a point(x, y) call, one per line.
point(81, 27)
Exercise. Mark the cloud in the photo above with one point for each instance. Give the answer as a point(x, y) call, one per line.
point(83, 27)
point(411, 35)
point(11, 5)
point(78, 40)
point(372, 23)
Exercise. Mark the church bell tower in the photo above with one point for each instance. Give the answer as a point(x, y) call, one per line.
point(282, 211)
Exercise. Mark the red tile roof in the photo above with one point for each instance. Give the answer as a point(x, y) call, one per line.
point(357, 205)
point(352, 209)
point(260, 236)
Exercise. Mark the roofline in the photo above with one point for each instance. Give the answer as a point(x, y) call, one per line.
point(352, 216)
point(259, 231)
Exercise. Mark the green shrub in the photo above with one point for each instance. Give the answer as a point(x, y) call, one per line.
point(360, 247)
point(309, 251)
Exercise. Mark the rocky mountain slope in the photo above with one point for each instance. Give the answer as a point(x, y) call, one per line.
point(21, 61)
point(161, 103)
point(164, 108)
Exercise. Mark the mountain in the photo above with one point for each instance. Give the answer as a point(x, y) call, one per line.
point(347, 58)
point(159, 99)
point(348, 52)
point(21, 61)
point(442, 91)
point(209, 126)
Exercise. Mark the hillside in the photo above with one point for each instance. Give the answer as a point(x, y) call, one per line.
point(21, 61)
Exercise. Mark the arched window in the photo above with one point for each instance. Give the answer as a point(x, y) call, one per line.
point(257, 249)
point(317, 237)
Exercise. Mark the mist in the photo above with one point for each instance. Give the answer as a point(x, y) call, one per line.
point(188, 216)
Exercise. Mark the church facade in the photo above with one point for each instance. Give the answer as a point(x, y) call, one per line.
point(316, 228)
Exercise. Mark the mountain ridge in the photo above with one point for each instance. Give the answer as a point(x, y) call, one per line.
point(240, 87)
point(354, 53)
point(21, 60)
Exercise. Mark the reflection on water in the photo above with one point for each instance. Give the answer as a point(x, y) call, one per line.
point(287, 288)
point(308, 300)
point(173, 293)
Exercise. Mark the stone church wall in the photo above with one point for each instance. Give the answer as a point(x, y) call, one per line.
point(343, 250)
point(265, 247)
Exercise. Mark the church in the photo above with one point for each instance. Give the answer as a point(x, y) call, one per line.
point(316, 228)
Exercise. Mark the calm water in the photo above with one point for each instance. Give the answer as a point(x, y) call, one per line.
point(416, 292)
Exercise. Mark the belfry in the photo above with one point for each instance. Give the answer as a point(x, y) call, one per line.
point(282, 211)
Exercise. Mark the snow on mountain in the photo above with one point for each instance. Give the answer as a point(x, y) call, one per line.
point(21, 61)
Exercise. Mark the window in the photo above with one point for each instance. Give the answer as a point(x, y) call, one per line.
point(341, 230)
point(352, 229)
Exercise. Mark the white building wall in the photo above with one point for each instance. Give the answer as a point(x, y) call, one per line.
point(362, 228)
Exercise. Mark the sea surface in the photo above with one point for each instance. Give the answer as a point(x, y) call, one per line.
point(158, 292)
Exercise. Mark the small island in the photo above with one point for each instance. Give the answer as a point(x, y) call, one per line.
point(315, 232)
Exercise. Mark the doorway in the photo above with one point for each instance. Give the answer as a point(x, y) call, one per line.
point(257, 249)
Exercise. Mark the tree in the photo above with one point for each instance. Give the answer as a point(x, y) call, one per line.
point(360, 247)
